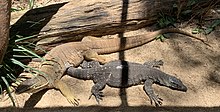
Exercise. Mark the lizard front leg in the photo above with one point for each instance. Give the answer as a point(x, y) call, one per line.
point(100, 80)
point(66, 91)
point(149, 91)
point(96, 91)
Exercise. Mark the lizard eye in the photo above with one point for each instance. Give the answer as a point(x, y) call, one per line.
point(174, 82)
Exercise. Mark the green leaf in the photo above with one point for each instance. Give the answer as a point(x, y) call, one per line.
point(25, 66)
point(8, 89)
point(9, 71)
point(216, 23)
point(29, 51)
point(11, 77)
point(196, 31)
point(21, 38)
point(161, 38)
point(212, 27)
point(31, 4)
point(15, 9)
point(165, 20)
point(208, 30)
point(22, 56)
point(17, 62)
point(18, 50)
point(1, 90)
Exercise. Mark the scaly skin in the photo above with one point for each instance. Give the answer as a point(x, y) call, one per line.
point(74, 53)
point(112, 73)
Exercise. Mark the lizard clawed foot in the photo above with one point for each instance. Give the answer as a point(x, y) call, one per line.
point(157, 100)
point(98, 96)
point(73, 101)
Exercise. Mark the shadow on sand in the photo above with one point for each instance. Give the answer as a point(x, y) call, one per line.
point(114, 109)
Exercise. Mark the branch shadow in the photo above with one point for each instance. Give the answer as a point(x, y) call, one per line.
point(213, 77)
point(124, 79)
point(34, 99)
point(113, 109)
point(34, 20)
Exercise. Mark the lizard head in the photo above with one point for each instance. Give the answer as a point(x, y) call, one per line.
point(174, 83)
point(32, 85)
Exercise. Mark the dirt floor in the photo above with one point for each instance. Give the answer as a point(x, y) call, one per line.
point(196, 64)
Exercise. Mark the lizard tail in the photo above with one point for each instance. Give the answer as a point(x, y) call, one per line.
point(103, 46)
point(174, 30)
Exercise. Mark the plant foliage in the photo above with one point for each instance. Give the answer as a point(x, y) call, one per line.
point(12, 63)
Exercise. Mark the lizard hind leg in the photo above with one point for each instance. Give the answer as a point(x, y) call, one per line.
point(67, 92)
point(92, 55)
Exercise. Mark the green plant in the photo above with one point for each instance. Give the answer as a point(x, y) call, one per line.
point(12, 63)
point(211, 28)
point(15, 9)
point(31, 4)
point(189, 7)
point(164, 21)
point(206, 30)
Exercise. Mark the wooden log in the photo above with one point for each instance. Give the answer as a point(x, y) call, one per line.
point(77, 19)
point(98, 17)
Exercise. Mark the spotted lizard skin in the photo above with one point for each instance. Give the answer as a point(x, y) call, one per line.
point(112, 73)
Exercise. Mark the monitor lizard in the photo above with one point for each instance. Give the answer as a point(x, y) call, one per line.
point(111, 74)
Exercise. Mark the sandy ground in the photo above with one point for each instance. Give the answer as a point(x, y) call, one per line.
point(190, 60)
point(196, 64)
